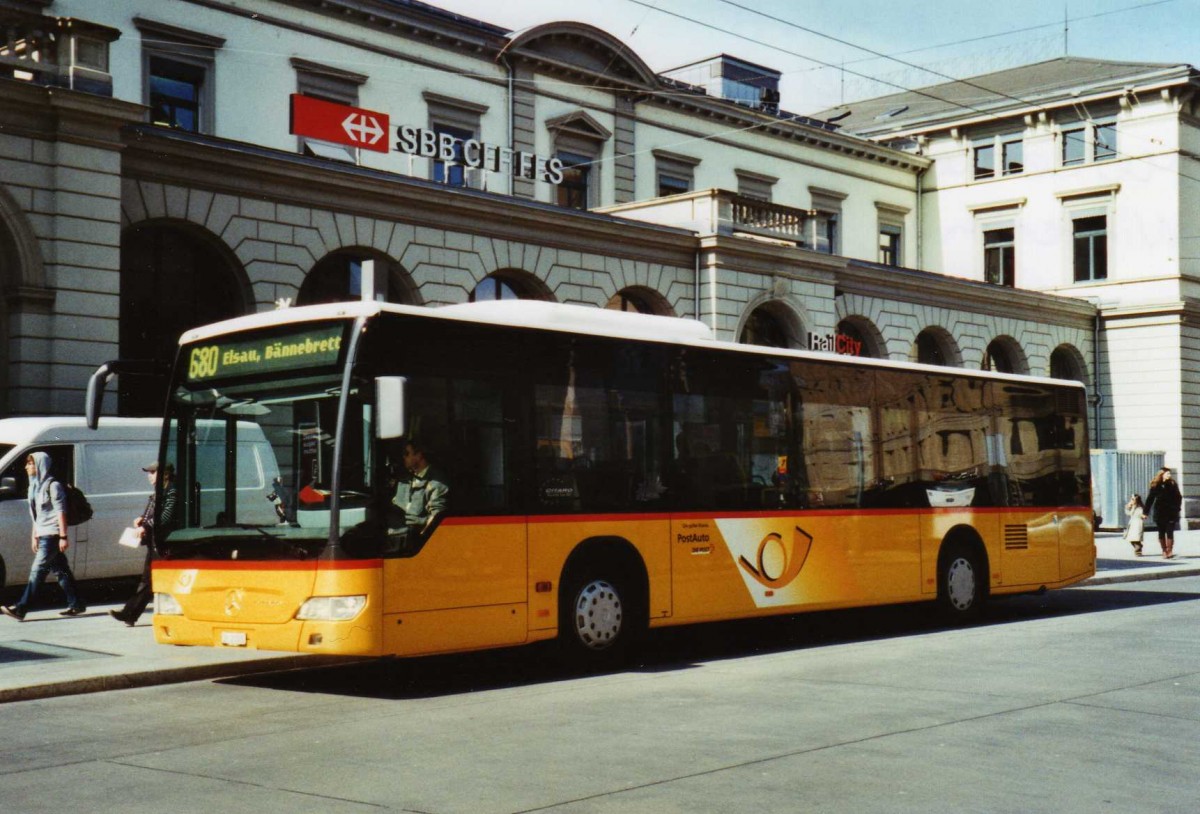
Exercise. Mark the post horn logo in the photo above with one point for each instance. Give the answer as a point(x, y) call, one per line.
point(233, 602)
point(779, 561)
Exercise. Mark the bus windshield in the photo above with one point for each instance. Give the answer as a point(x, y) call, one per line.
point(253, 463)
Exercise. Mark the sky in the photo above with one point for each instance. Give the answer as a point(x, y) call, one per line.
point(836, 52)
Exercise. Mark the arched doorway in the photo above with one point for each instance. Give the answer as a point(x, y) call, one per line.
point(509, 285)
point(934, 346)
point(858, 337)
point(1004, 355)
point(173, 277)
point(640, 300)
point(342, 275)
point(1067, 363)
point(774, 325)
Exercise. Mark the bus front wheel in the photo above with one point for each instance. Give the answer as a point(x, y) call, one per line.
point(598, 616)
point(961, 582)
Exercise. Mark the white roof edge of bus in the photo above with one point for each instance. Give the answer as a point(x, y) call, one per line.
point(580, 319)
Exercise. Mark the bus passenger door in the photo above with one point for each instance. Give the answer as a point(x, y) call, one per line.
point(464, 586)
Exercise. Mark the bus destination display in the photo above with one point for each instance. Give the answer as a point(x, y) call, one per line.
point(249, 357)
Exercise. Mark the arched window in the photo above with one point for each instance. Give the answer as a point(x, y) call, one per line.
point(493, 288)
point(343, 275)
point(173, 278)
point(929, 349)
point(933, 348)
point(1065, 363)
point(1003, 355)
point(510, 284)
point(858, 337)
point(639, 300)
point(768, 326)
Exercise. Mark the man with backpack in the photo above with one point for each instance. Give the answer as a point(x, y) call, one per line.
point(48, 506)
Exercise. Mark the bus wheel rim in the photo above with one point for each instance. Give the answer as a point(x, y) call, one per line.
point(960, 584)
point(598, 614)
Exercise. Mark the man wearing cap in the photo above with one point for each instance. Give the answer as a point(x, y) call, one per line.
point(147, 524)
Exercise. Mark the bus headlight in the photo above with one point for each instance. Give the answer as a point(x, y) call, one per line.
point(165, 605)
point(331, 608)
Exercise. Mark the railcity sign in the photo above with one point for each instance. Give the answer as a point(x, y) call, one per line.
point(356, 127)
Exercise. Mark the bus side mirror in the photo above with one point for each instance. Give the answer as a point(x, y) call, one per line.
point(95, 393)
point(389, 407)
point(99, 380)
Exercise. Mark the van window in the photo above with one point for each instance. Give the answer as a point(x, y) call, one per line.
point(62, 467)
point(116, 469)
point(210, 464)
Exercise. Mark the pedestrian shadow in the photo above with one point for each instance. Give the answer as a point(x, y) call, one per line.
point(683, 648)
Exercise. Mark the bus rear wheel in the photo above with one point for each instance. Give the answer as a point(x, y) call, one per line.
point(961, 581)
point(598, 617)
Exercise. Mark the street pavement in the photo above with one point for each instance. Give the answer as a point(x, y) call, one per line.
point(49, 655)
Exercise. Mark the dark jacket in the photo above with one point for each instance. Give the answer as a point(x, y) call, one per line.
point(1163, 502)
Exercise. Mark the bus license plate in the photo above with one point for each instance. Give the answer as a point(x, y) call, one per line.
point(233, 638)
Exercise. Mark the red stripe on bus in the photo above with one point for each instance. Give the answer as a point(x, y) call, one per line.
point(266, 565)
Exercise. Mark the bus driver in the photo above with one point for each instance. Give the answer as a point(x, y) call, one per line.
point(421, 499)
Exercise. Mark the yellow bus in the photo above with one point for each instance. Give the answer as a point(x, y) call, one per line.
point(596, 474)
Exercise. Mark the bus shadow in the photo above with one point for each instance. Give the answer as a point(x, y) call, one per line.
point(683, 648)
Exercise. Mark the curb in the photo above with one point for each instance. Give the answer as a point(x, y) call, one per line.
point(174, 675)
point(1142, 577)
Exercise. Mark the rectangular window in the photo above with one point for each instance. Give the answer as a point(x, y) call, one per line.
point(1074, 146)
point(1013, 156)
point(821, 233)
point(1091, 248)
point(573, 190)
point(1105, 136)
point(985, 160)
point(670, 185)
point(178, 70)
point(176, 90)
point(452, 173)
point(999, 257)
point(889, 245)
point(330, 85)
point(674, 173)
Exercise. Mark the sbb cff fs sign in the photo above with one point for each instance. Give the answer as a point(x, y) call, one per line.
point(369, 129)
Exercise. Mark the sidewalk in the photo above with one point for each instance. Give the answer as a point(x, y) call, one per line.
point(49, 655)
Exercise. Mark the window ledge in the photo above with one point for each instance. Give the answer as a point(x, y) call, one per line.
point(1086, 192)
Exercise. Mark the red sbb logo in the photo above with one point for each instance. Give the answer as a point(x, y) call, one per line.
point(339, 124)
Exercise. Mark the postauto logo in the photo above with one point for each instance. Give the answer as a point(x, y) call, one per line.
point(769, 561)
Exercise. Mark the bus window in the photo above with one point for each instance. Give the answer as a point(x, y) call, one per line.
point(598, 431)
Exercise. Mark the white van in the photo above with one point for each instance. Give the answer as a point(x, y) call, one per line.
point(106, 463)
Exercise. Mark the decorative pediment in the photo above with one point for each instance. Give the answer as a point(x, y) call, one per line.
point(580, 124)
point(581, 47)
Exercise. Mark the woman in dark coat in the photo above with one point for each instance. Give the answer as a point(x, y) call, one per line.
point(1163, 504)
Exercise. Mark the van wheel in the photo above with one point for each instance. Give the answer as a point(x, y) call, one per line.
point(961, 583)
point(598, 615)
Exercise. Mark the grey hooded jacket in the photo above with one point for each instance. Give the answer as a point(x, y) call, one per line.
point(47, 498)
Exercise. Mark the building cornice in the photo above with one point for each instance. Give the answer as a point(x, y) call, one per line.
point(929, 289)
point(164, 156)
point(59, 114)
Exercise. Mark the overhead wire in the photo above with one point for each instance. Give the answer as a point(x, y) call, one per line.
point(924, 92)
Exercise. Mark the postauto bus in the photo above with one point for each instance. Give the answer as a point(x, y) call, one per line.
point(605, 473)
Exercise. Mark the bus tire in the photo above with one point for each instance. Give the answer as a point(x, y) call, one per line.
point(962, 582)
point(599, 613)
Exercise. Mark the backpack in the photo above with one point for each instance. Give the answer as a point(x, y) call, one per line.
point(78, 509)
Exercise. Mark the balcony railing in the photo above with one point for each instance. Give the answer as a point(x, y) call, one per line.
point(55, 51)
point(719, 211)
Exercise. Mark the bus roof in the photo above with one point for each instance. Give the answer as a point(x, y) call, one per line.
point(575, 319)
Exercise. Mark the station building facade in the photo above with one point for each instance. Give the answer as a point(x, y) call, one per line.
point(157, 172)
point(1078, 178)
